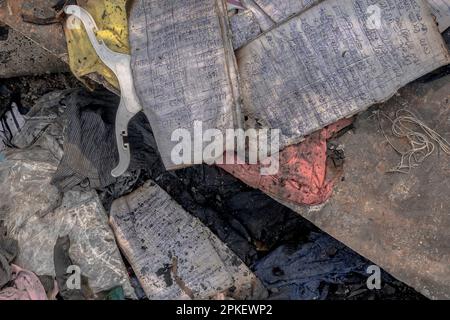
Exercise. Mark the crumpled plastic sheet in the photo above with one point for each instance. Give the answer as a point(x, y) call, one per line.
point(8, 252)
point(304, 273)
point(36, 214)
point(44, 116)
point(26, 286)
point(302, 177)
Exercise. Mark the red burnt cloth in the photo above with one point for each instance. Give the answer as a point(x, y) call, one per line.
point(301, 178)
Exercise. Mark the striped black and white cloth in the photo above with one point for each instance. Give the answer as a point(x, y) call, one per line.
point(11, 122)
point(90, 149)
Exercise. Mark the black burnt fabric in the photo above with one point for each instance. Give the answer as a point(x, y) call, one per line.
point(89, 154)
point(90, 149)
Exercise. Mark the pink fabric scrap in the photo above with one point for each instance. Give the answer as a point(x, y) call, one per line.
point(26, 286)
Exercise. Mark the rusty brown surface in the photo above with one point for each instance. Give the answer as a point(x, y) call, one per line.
point(40, 11)
point(399, 221)
point(20, 56)
point(50, 37)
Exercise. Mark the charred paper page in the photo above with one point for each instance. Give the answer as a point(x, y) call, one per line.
point(184, 69)
point(173, 254)
point(441, 10)
point(335, 60)
point(280, 10)
point(262, 15)
point(246, 25)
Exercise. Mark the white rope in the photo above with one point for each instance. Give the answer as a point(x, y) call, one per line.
point(420, 137)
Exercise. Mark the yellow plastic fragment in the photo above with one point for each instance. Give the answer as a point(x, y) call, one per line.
point(112, 23)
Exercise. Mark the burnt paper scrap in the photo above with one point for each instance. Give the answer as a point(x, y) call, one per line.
point(280, 10)
point(335, 60)
point(248, 24)
point(441, 10)
point(184, 67)
point(244, 28)
point(173, 254)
